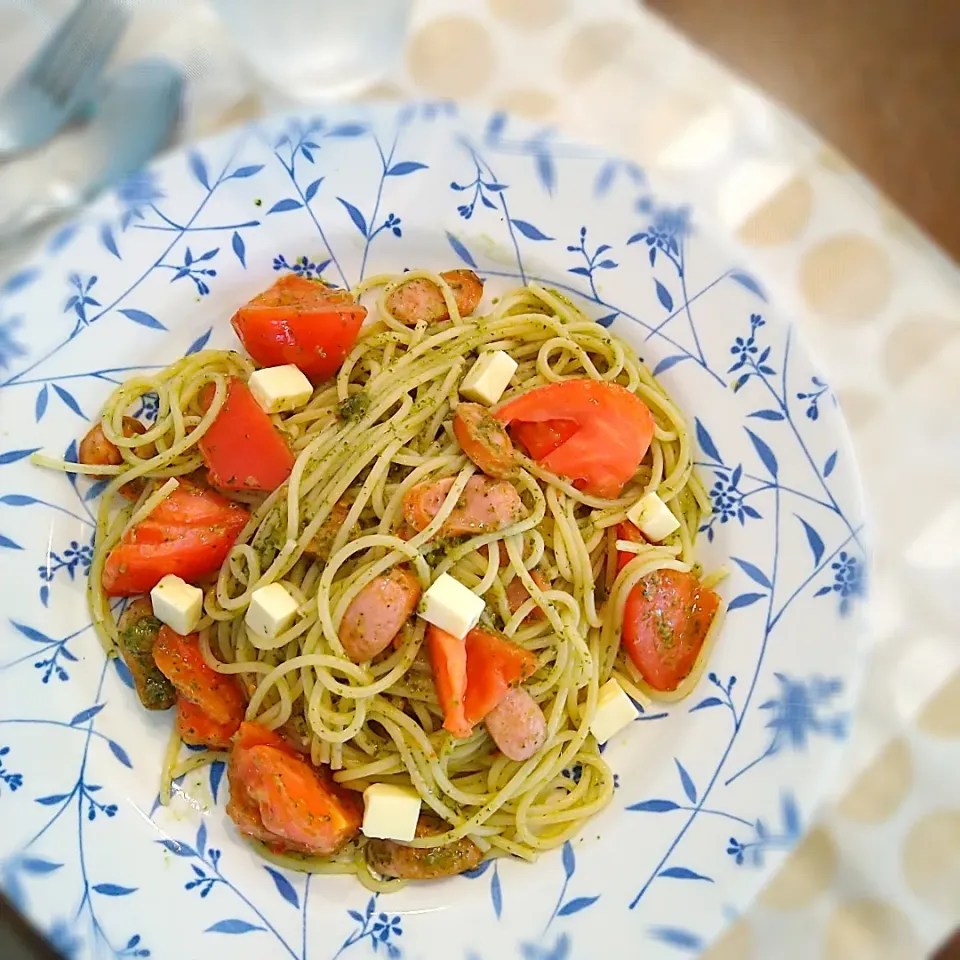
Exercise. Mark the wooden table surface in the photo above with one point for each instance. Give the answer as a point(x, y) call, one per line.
point(878, 79)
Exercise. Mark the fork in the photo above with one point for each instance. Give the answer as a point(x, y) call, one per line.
point(61, 77)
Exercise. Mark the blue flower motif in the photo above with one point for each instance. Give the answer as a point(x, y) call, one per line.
point(80, 300)
point(848, 581)
point(813, 397)
point(387, 927)
point(9, 347)
point(729, 501)
point(668, 226)
point(148, 407)
point(75, 555)
point(482, 191)
point(133, 948)
point(189, 268)
point(136, 192)
point(13, 781)
point(802, 710)
point(302, 266)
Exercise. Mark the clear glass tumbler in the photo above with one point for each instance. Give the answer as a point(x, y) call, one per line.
point(310, 51)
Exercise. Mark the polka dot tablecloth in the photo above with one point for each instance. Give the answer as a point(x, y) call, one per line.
point(878, 877)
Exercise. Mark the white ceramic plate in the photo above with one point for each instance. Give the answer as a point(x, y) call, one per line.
point(712, 791)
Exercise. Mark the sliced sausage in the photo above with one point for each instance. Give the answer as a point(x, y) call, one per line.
point(378, 612)
point(421, 299)
point(485, 440)
point(484, 506)
point(319, 546)
point(517, 725)
point(517, 594)
point(391, 859)
point(138, 629)
point(96, 450)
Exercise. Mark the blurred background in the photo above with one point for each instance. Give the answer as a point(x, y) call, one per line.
point(821, 138)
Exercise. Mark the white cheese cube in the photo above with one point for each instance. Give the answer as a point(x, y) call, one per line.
point(390, 812)
point(451, 606)
point(272, 610)
point(653, 518)
point(615, 710)
point(280, 389)
point(488, 377)
point(178, 604)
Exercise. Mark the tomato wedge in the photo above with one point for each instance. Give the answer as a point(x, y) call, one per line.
point(665, 621)
point(278, 797)
point(300, 321)
point(543, 438)
point(197, 729)
point(494, 666)
point(614, 428)
point(474, 674)
point(242, 448)
point(189, 534)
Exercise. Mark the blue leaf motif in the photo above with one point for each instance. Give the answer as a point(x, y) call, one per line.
point(119, 753)
point(676, 937)
point(495, 125)
point(233, 926)
point(355, 915)
point(529, 230)
point(753, 572)
point(85, 715)
point(123, 672)
point(814, 539)
point(764, 452)
point(608, 319)
point(106, 238)
point(686, 782)
point(479, 870)
point(576, 905)
point(199, 343)
point(404, 167)
point(216, 775)
point(178, 849)
point(496, 894)
point(546, 171)
point(748, 283)
point(199, 169)
point(706, 442)
point(461, 251)
point(36, 865)
point(744, 600)
point(348, 130)
point(113, 889)
point(144, 319)
point(766, 415)
point(830, 464)
point(312, 189)
point(243, 173)
point(9, 544)
point(683, 873)
point(791, 816)
point(12, 456)
point(706, 704)
point(239, 248)
point(284, 887)
point(30, 633)
point(355, 215)
point(95, 489)
point(569, 860)
point(667, 362)
point(654, 806)
point(41, 407)
point(62, 237)
point(19, 280)
point(69, 400)
point(604, 178)
point(202, 838)
point(54, 798)
point(282, 206)
point(18, 500)
point(663, 295)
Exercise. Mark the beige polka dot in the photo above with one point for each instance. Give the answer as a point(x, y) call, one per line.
point(593, 47)
point(527, 103)
point(808, 871)
point(931, 860)
point(859, 406)
point(915, 342)
point(782, 217)
point(880, 789)
point(451, 57)
point(869, 930)
point(381, 90)
point(530, 14)
point(941, 716)
point(846, 277)
point(735, 943)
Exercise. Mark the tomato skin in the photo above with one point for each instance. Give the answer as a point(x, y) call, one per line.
point(448, 659)
point(198, 730)
point(543, 438)
point(189, 534)
point(614, 431)
point(242, 448)
point(303, 322)
point(665, 622)
point(494, 666)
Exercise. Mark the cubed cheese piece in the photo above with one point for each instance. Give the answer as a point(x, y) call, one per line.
point(451, 606)
point(488, 377)
point(653, 518)
point(280, 389)
point(615, 710)
point(390, 812)
point(271, 612)
point(177, 603)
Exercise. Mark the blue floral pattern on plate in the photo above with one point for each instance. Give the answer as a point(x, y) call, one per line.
point(710, 796)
